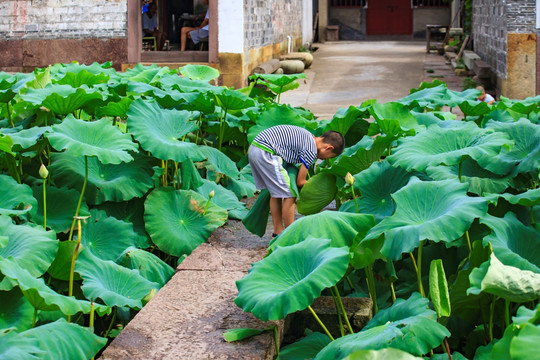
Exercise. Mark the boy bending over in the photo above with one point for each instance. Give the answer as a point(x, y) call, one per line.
point(294, 145)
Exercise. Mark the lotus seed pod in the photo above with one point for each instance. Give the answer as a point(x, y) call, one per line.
point(43, 172)
point(349, 179)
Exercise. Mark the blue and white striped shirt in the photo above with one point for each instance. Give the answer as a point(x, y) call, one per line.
point(294, 144)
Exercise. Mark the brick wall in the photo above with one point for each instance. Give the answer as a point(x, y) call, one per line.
point(520, 15)
point(268, 22)
point(62, 19)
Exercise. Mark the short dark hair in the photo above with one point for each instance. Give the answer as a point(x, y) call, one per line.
point(335, 139)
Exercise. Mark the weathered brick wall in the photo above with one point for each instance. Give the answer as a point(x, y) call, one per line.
point(268, 22)
point(520, 15)
point(489, 33)
point(62, 19)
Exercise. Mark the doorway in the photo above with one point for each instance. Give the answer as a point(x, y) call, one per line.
point(389, 17)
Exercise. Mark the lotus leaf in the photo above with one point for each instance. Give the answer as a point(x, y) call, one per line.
point(438, 288)
point(233, 100)
point(188, 85)
point(97, 138)
point(149, 265)
point(166, 99)
point(341, 228)
point(6, 144)
point(528, 198)
point(449, 146)
point(278, 80)
point(160, 131)
point(480, 180)
point(199, 72)
point(436, 94)
point(376, 185)
point(23, 139)
point(61, 266)
point(219, 162)
point(360, 156)
point(224, 198)
point(106, 182)
point(434, 210)
point(241, 187)
point(57, 340)
point(32, 247)
point(14, 346)
point(112, 283)
point(15, 199)
point(257, 218)
point(474, 108)
point(191, 179)
point(343, 121)
point(306, 348)
point(318, 192)
point(290, 278)
point(383, 354)
point(514, 243)
point(17, 312)
point(61, 205)
point(393, 118)
point(525, 155)
point(508, 282)
point(176, 221)
point(61, 99)
point(119, 108)
point(241, 334)
point(82, 77)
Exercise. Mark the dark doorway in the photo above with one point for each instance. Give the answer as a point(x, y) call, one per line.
point(389, 17)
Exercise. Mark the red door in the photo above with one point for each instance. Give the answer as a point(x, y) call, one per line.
point(389, 17)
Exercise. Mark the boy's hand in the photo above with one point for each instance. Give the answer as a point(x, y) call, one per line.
point(301, 177)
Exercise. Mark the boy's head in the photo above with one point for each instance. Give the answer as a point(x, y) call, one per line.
point(329, 145)
point(482, 95)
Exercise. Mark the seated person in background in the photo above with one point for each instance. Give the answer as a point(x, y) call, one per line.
point(485, 97)
point(195, 33)
point(150, 26)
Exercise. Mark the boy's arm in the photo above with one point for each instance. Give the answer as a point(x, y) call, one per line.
point(301, 177)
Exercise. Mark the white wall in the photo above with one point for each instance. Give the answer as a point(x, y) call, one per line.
point(307, 21)
point(231, 26)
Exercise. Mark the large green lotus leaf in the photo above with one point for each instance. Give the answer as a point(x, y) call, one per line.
point(256, 219)
point(148, 74)
point(318, 192)
point(242, 187)
point(434, 95)
point(233, 100)
point(525, 155)
point(376, 185)
point(6, 144)
point(514, 243)
point(191, 178)
point(107, 238)
point(15, 198)
point(290, 278)
point(343, 120)
point(14, 346)
point(341, 228)
point(434, 210)
point(438, 288)
point(98, 138)
point(385, 354)
point(17, 312)
point(23, 139)
point(58, 340)
point(43, 297)
point(149, 265)
point(175, 221)
point(160, 131)
point(224, 198)
point(528, 198)
point(418, 324)
point(119, 108)
point(61, 206)
point(187, 85)
point(61, 266)
point(306, 348)
point(199, 72)
point(480, 180)
point(449, 146)
point(32, 247)
point(61, 99)
point(219, 162)
point(474, 108)
point(275, 114)
point(360, 156)
point(106, 182)
point(525, 343)
point(508, 282)
point(278, 80)
point(393, 118)
point(166, 99)
point(112, 283)
point(94, 68)
point(82, 77)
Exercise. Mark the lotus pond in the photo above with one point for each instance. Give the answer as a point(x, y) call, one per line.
point(110, 179)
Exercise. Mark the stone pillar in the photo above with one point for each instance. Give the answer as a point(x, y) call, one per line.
point(323, 19)
point(520, 79)
point(231, 42)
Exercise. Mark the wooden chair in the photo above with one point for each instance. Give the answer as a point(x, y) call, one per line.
point(203, 44)
point(151, 42)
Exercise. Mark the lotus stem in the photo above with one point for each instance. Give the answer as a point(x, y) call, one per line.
point(355, 199)
point(44, 204)
point(9, 115)
point(210, 196)
point(80, 198)
point(393, 292)
point(338, 310)
point(34, 318)
point(343, 309)
point(73, 259)
point(221, 129)
point(468, 242)
point(533, 223)
point(321, 323)
point(370, 279)
point(276, 340)
point(349, 282)
point(111, 324)
point(389, 150)
point(279, 95)
point(506, 312)
point(418, 270)
point(460, 169)
point(92, 308)
point(491, 313)
point(447, 348)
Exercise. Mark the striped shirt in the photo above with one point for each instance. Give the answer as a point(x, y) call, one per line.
point(294, 144)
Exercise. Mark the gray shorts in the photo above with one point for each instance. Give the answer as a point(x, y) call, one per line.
point(197, 35)
point(268, 173)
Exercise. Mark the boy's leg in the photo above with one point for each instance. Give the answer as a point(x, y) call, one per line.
point(288, 208)
point(277, 215)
